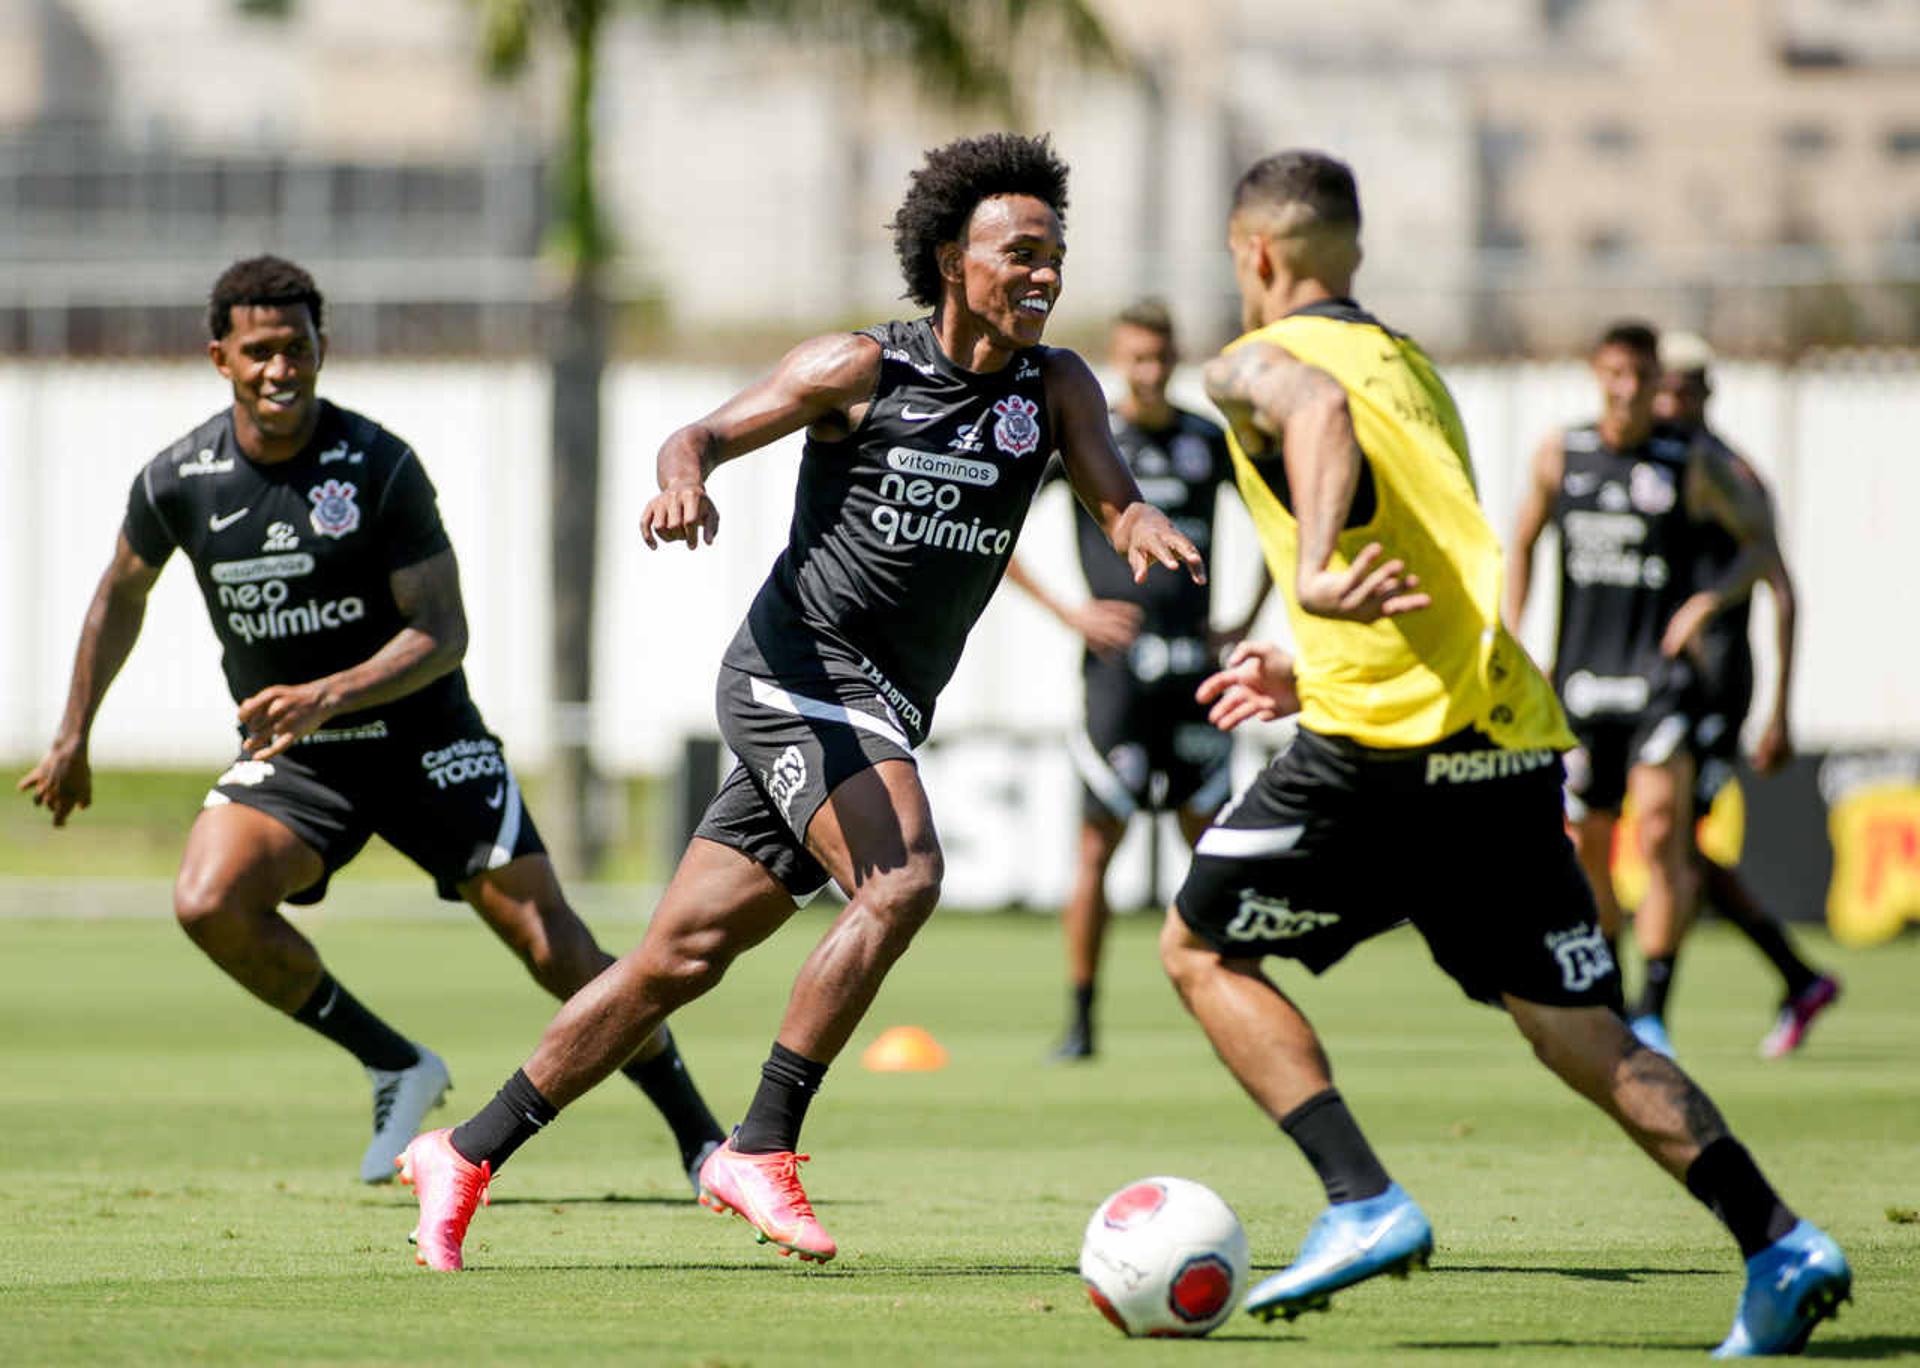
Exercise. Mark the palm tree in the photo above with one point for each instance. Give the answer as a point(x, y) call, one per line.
point(958, 49)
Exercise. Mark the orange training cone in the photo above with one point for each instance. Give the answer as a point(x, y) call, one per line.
point(904, 1049)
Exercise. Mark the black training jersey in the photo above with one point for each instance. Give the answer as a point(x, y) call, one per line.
point(293, 559)
point(1179, 469)
point(1722, 651)
point(1626, 563)
point(902, 529)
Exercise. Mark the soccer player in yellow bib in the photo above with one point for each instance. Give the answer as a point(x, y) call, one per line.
point(1427, 748)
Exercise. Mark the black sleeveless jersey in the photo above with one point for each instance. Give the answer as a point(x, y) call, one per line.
point(1723, 653)
point(902, 529)
point(1179, 469)
point(293, 559)
point(1627, 549)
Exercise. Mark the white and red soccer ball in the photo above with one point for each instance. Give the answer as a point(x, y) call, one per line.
point(1165, 1257)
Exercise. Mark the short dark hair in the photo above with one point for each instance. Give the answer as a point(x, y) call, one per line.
point(1323, 184)
point(948, 187)
point(1643, 339)
point(257, 281)
point(1150, 315)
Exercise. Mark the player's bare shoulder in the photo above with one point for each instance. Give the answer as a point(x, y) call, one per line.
point(836, 377)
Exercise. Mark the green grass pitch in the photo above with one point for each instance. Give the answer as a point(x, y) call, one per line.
point(176, 1182)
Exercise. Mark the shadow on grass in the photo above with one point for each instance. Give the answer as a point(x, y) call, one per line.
point(1835, 1346)
point(1611, 1275)
point(785, 1267)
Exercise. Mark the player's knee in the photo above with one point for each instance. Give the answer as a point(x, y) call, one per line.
point(681, 968)
point(1182, 956)
point(902, 899)
point(202, 904)
point(562, 955)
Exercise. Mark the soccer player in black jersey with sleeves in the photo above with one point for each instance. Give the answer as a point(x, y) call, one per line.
point(1722, 658)
point(317, 544)
point(1147, 744)
point(925, 441)
point(1630, 498)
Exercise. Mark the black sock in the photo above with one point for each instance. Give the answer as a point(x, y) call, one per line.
point(787, 1084)
point(1083, 1007)
point(1732, 900)
point(516, 1114)
point(340, 1017)
point(1653, 993)
point(1328, 1135)
point(1725, 1177)
point(668, 1085)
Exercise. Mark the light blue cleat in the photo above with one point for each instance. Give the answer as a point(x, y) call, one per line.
point(1792, 1285)
point(1651, 1032)
point(1348, 1243)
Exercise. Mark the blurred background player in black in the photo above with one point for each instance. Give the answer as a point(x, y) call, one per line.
point(316, 539)
point(1630, 499)
point(1147, 745)
point(1722, 660)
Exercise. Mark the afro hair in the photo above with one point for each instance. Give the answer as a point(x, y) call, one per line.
point(943, 193)
point(260, 280)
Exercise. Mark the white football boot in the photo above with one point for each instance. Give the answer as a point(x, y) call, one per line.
point(401, 1100)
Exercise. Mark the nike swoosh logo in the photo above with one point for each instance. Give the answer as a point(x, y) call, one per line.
point(220, 522)
point(906, 412)
point(499, 794)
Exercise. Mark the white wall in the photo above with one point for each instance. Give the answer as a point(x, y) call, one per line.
point(1838, 441)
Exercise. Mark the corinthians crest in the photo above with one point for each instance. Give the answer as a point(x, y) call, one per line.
point(1016, 430)
point(334, 512)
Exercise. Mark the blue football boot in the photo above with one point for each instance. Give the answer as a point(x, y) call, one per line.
point(1651, 1032)
point(1792, 1285)
point(1348, 1243)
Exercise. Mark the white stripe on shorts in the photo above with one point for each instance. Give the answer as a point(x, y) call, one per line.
point(799, 705)
point(1247, 843)
point(1099, 777)
point(508, 836)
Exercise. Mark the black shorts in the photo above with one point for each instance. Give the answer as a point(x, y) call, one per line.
point(796, 743)
point(1726, 696)
point(1148, 745)
point(439, 792)
point(1610, 747)
point(1336, 842)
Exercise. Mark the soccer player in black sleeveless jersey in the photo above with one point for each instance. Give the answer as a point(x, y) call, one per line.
point(332, 586)
point(1147, 745)
point(1629, 498)
point(1722, 657)
point(924, 443)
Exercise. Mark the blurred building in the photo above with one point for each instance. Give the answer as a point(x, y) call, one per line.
point(1748, 168)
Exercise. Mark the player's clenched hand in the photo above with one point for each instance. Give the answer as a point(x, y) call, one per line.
point(1365, 591)
point(282, 714)
point(1257, 685)
point(1109, 626)
point(681, 513)
point(62, 782)
point(1147, 537)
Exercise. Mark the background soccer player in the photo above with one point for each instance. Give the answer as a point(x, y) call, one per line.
point(1147, 745)
point(1633, 501)
point(1722, 659)
point(1423, 782)
point(317, 543)
point(925, 441)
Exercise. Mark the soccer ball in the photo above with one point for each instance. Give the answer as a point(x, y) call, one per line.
point(1165, 1257)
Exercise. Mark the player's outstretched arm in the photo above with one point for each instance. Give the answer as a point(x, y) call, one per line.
point(433, 642)
point(1272, 398)
point(1141, 533)
point(1716, 492)
point(1257, 685)
point(63, 780)
point(1775, 746)
point(824, 385)
point(1544, 474)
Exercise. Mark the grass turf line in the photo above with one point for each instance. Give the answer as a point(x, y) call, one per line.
point(178, 1182)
